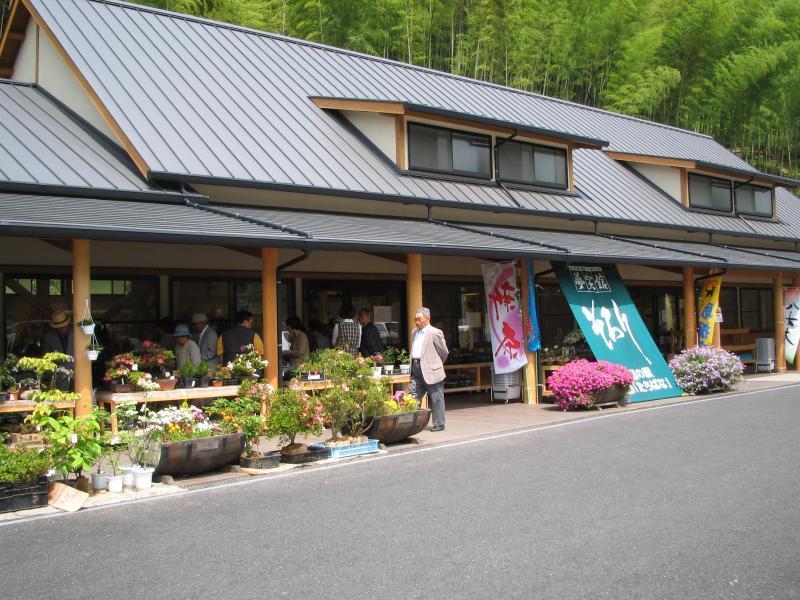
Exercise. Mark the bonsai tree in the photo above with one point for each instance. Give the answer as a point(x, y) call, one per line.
point(243, 414)
point(46, 369)
point(187, 370)
point(293, 412)
point(23, 465)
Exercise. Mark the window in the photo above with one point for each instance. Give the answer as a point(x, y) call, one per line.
point(756, 309)
point(710, 193)
point(530, 163)
point(447, 151)
point(754, 200)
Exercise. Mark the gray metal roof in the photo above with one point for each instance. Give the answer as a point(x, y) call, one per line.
point(124, 220)
point(42, 144)
point(207, 99)
point(735, 256)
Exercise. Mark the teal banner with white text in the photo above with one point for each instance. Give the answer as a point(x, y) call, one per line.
point(614, 329)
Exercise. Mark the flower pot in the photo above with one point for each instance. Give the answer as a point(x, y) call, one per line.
point(99, 481)
point(92, 355)
point(389, 429)
point(199, 455)
point(376, 371)
point(187, 382)
point(88, 329)
point(202, 381)
point(405, 369)
point(217, 383)
point(167, 384)
point(143, 478)
point(388, 370)
point(127, 476)
point(610, 395)
point(121, 388)
point(115, 483)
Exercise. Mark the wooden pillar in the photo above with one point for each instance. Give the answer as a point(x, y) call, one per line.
point(413, 288)
point(269, 311)
point(777, 294)
point(689, 309)
point(81, 293)
point(530, 372)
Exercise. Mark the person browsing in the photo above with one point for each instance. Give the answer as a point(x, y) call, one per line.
point(428, 354)
point(207, 339)
point(186, 349)
point(232, 342)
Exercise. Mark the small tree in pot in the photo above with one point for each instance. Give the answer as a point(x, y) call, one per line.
point(293, 412)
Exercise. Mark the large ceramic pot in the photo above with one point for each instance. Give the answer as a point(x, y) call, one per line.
point(199, 455)
point(394, 428)
point(616, 393)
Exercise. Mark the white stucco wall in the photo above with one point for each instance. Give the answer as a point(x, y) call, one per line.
point(55, 77)
point(666, 178)
point(379, 129)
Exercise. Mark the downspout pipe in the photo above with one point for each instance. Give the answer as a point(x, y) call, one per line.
point(289, 263)
point(495, 153)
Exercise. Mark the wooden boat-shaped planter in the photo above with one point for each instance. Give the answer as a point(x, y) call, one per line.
point(199, 455)
point(389, 429)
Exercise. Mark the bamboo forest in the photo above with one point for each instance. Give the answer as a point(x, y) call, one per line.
point(728, 68)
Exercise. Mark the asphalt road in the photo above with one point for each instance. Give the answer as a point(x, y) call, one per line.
point(699, 500)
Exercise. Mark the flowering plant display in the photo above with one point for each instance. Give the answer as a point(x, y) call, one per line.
point(400, 402)
point(248, 364)
point(292, 412)
point(576, 384)
point(157, 359)
point(703, 369)
point(121, 367)
point(174, 424)
point(243, 415)
point(144, 381)
point(222, 373)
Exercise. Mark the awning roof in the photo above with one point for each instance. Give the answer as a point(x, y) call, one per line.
point(225, 225)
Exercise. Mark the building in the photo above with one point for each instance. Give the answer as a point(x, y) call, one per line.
point(197, 166)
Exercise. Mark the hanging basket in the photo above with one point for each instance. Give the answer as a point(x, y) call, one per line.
point(92, 355)
point(88, 329)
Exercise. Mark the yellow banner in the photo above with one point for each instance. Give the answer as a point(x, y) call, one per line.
point(707, 305)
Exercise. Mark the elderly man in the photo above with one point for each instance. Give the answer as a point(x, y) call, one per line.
point(371, 343)
point(59, 338)
point(206, 339)
point(428, 353)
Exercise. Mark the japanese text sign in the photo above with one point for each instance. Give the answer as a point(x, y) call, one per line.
point(505, 318)
point(614, 329)
point(791, 319)
point(533, 338)
point(707, 304)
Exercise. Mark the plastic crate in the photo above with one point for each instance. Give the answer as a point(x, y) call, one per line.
point(23, 496)
point(354, 449)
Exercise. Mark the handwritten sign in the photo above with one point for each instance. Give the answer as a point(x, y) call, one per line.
point(791, 319)
point(66, 498)
point(614, 329)
point(505, 318)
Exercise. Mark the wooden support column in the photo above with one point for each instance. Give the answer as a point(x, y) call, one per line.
point(269, 311)
point(777, 294)
point(81, 292)
point(413, 288)
point(689, 309)
point(531, 371)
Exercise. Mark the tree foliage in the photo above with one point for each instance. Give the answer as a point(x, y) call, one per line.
point(730, 68)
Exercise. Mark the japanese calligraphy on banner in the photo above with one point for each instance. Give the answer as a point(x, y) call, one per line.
point(505, 318)
point(791, 318)
point(707, 305)
point(533, 339)
point(614, 329)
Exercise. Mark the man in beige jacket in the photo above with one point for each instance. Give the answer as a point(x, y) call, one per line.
point(428, 353)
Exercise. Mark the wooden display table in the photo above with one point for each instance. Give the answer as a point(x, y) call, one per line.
point(13, 406)
point(110, 399)
point(324, 384)
point(480, 385)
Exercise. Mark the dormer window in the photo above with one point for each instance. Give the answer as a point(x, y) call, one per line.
point(447, 151)
point(710, 193)
point(532, 164)
point(754, 200)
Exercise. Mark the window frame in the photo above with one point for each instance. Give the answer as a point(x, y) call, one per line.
point(757, 215)
point(453, 172)
point(717, 211)
point(534, 182)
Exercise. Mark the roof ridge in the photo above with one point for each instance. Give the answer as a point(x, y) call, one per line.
point(292, 40)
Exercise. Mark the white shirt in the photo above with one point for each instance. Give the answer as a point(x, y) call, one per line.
point(419, 339)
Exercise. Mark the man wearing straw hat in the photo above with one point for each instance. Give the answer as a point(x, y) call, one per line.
point(59, 338)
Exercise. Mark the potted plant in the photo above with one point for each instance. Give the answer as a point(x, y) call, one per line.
point(243, 415)
point(23, 479)
point(377, 364)
point(248, 364)
point(293, 412)
point(404, 361)
point(201, 372)
point(73, 442)
point(583, 384)
point(46, 370)
point(704, 369)
point(221, 376)
point(100, 477)
point(144, 381)
point(187, 372)
point(390, 356)
point(93, 350)
point(87, 326)
point(119, 372)
point(400, 418)
point(116, 480)
point(8, 378)
point(159, 362)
